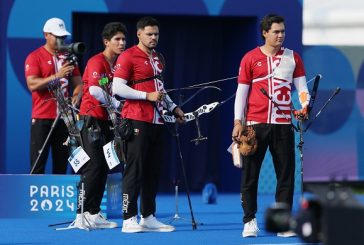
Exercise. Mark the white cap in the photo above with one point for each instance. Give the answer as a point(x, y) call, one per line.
point(56, 26)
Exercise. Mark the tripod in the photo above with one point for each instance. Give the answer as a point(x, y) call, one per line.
point(40, 152)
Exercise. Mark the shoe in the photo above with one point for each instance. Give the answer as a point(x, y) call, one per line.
point(131, 225)
point(98, 221)
point(81, 222)
point(286, 234)
point(250, 229)
point(151, 223)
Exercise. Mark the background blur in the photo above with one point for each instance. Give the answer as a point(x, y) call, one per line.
point(202, 41)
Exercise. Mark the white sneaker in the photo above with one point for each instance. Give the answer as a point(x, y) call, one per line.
point(98, 221)
point(131, 225)
point(81, 222)
point(250, 229)
point(286, 234)
point(151, 223)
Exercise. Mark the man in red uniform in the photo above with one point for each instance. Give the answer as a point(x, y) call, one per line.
point(271, 69)
point(138, 79)
point(43, 66)
point(97, 131)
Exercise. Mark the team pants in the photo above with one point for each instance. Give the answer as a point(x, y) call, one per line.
point(280, 140)
point(94, 172)
point(38, 133)
point(142, 168)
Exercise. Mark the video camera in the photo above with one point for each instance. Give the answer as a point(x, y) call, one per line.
point(334, 217)
point(71, 50)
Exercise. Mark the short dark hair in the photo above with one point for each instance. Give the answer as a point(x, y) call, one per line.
point(147, 21)
point(110, 30)
point(267, 21)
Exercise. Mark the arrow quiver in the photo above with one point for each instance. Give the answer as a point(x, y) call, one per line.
point(115, 118)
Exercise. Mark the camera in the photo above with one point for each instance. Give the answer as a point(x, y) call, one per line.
point(307, 223)
point(78, 48)
point(71, 50)
point(332, 216)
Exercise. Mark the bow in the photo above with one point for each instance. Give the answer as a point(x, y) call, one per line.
point(204, 109)
point(190, 116)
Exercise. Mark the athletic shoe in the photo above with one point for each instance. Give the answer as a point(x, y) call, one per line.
point(81, 222)
point(151, 223)
point(250, 229)
point(286, 234)
point(98, 221)
point(131, 225)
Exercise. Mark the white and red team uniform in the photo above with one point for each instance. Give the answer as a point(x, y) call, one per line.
point(42, 63)
point(97, 68)
point(271, 120)
point(275, 77)
point(133, 65)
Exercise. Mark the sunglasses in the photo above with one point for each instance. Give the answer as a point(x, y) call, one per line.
point(59, 37)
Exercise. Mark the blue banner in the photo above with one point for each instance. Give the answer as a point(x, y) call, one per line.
point(37, 196)
point(34, 196)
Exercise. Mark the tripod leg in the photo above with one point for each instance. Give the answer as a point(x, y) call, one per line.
point(176, 215)
point(45, 143)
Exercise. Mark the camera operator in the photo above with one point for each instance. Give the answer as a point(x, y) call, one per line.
point(43, 66)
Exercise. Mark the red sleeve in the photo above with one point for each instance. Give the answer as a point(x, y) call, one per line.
point(32, 66)
point(299, 71)
point(245, 75)
point(124, 66)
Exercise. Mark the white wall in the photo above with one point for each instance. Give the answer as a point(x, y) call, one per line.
point(333, 22)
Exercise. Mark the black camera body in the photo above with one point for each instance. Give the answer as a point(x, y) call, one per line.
point(71, 50)
point(72, 59)
point(78, 48)
point(333, 216)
